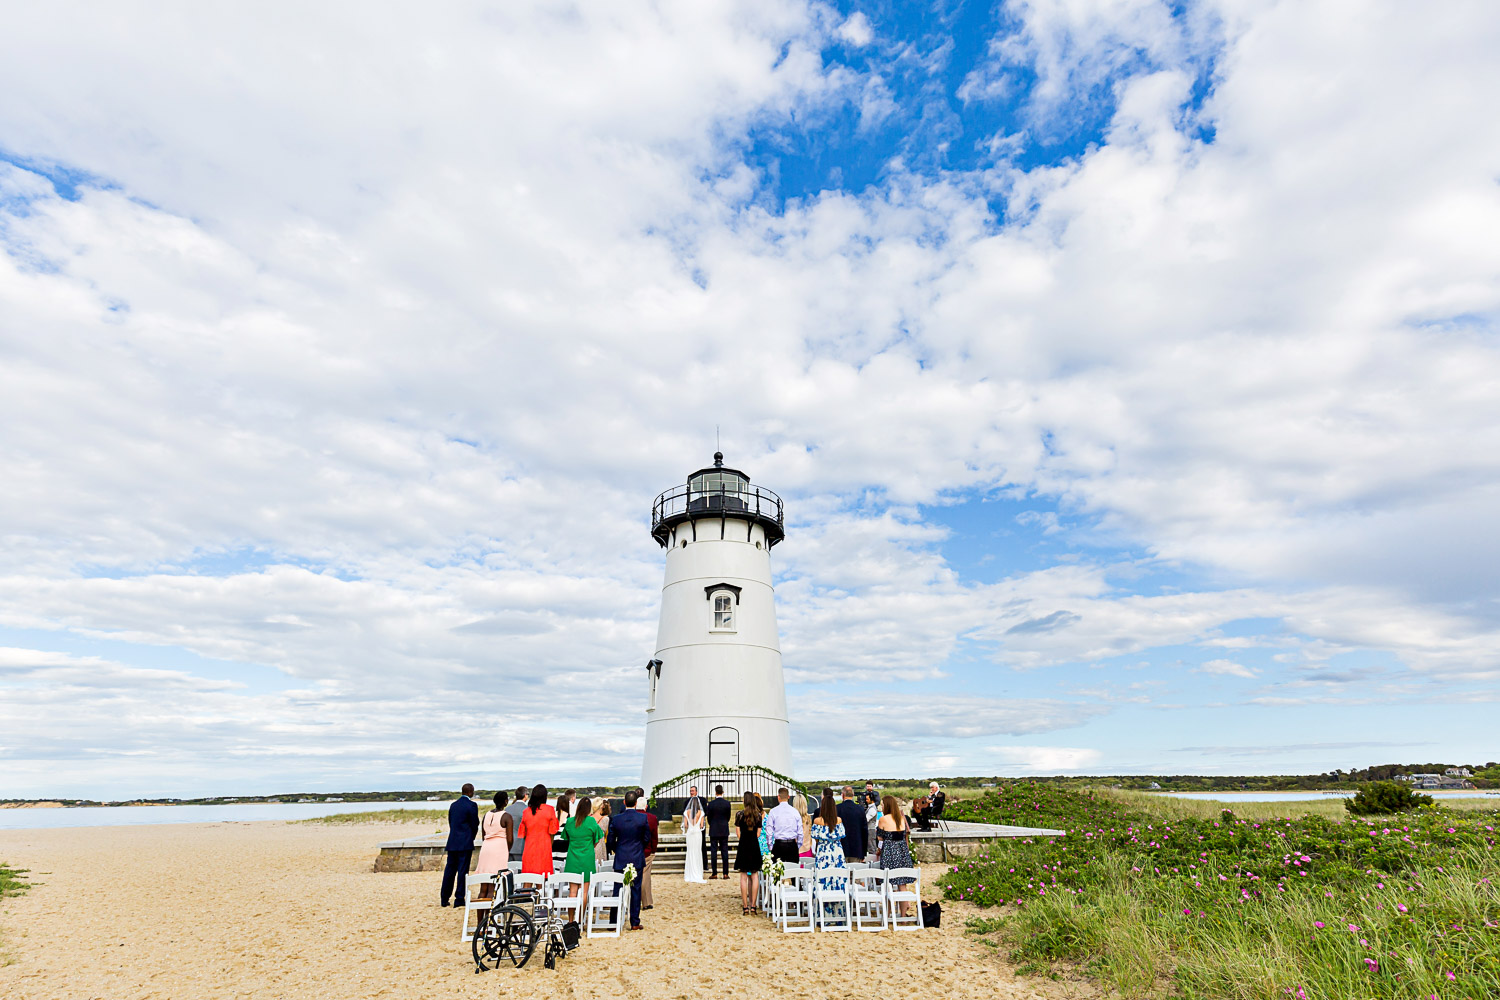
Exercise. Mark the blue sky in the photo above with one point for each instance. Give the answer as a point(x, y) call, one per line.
point(1126, 367)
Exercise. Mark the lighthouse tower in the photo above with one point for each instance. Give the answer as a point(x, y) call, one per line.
point(716, 696)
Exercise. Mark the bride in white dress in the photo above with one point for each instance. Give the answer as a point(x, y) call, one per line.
point(692, 828)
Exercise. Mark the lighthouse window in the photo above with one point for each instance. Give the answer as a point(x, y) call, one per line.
point(723, 613)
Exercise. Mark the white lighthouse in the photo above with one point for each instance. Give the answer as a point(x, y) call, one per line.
point(716, 697)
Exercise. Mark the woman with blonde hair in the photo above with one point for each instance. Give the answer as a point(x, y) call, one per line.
point(804, 849)
point(601, 814)
point(892, 834)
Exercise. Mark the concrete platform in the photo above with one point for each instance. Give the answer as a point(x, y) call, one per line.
point(959, 840)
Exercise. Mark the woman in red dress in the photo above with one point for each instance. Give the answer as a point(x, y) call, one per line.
point(538, 825)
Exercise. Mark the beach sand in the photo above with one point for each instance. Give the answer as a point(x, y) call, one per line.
point(290, 910)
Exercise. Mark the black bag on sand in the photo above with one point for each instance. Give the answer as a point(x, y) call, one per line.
point(932, 915)
point(570, 935)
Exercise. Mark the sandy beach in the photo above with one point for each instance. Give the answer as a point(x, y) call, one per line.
point(289, 910)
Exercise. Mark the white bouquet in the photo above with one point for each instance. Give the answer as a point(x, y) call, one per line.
point(629, 874)
point(778, 870)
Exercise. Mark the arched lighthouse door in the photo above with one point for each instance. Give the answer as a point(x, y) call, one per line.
point(724, 747)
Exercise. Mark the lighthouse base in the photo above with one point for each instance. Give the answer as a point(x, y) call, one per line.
point(678, 745)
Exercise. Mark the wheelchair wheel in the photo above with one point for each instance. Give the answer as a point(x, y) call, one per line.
point(508, 934)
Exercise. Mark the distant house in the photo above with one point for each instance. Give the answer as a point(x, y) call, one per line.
point(434, 798)
point(1458, 772)
point(334, 798)
point(1155, 787)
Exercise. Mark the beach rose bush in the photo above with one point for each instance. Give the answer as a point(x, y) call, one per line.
point(1233, 908)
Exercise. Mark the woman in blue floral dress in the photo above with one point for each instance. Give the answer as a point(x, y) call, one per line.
point(828, 843)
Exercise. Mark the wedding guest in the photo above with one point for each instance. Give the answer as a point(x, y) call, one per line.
point(463, 827)
point(628, 835)
point(654, 823)
point(764, 837)
point(828, 841)
point(853, 818)
point(785, 829)
point(564, 811)
point(747, 856)
point(602, 813)
point(893, 848)
point(538, 824)
point(514, 811)
point(804, 847)
point(717, 811)
point(494, 849)
point(872, 818)
point(583, 835)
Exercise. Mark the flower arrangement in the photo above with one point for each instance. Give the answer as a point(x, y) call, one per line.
point(629, 873)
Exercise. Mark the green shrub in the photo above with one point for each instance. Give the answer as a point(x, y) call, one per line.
point(1385, 798)
point(1238, 909)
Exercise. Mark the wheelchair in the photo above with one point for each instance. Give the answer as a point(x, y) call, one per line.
point(520, 920)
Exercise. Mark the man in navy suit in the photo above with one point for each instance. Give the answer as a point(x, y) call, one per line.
point(629, 833)
point(463, 827)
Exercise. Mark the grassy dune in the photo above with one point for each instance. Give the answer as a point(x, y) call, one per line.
point(425, 816)
point(1149, 894)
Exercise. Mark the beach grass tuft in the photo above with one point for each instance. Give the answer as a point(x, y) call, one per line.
point(12, 882)
point(1187, 897)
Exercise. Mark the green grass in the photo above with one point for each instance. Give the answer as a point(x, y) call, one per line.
point(11, 881)
point(1146, 894)
point(381, 816)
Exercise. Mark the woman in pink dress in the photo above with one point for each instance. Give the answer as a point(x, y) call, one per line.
point(495, 850)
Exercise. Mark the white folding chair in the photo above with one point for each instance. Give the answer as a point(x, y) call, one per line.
point(794, 901)
point(473, 904)
point(831, 898)
point(867, 890)
point(531, 880)
point(765, 895)
point(514, 866)
point(896, 895)
point(560, 885)
point(602, 901)
point(855, 866)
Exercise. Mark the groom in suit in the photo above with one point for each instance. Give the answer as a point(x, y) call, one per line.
point(718, 812)
point(463, 827)
point(628, 835)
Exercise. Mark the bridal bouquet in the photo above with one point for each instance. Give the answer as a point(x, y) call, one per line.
point(629, 874)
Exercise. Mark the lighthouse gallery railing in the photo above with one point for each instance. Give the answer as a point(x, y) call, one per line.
point(753, 503)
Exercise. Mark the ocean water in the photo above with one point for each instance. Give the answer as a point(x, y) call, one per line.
point(1294, 796)
point(246, 812)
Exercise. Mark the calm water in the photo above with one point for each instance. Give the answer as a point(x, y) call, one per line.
point(1292, 796)
point(248, 812)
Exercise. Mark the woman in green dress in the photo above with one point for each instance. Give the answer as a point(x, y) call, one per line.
point(582, 831)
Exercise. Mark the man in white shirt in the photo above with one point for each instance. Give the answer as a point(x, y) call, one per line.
point(784, 825)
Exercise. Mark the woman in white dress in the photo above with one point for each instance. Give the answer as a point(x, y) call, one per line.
point(692, 828)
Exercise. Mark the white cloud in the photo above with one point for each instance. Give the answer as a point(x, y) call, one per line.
point(365, 369)
point(1225, 668)
point(1047, 760)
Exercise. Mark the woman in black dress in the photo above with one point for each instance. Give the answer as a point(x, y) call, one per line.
point(747, 854)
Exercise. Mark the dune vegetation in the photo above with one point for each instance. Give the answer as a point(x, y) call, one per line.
point(1150, 894)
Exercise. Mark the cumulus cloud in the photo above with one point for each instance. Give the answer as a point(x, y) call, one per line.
point(1225, 668)
point(362, 376)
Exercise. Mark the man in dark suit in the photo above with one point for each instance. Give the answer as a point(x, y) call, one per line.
point(852, 814)
point(655, 824)
point(628, 835)
point(463, 827)
point(718, 812)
